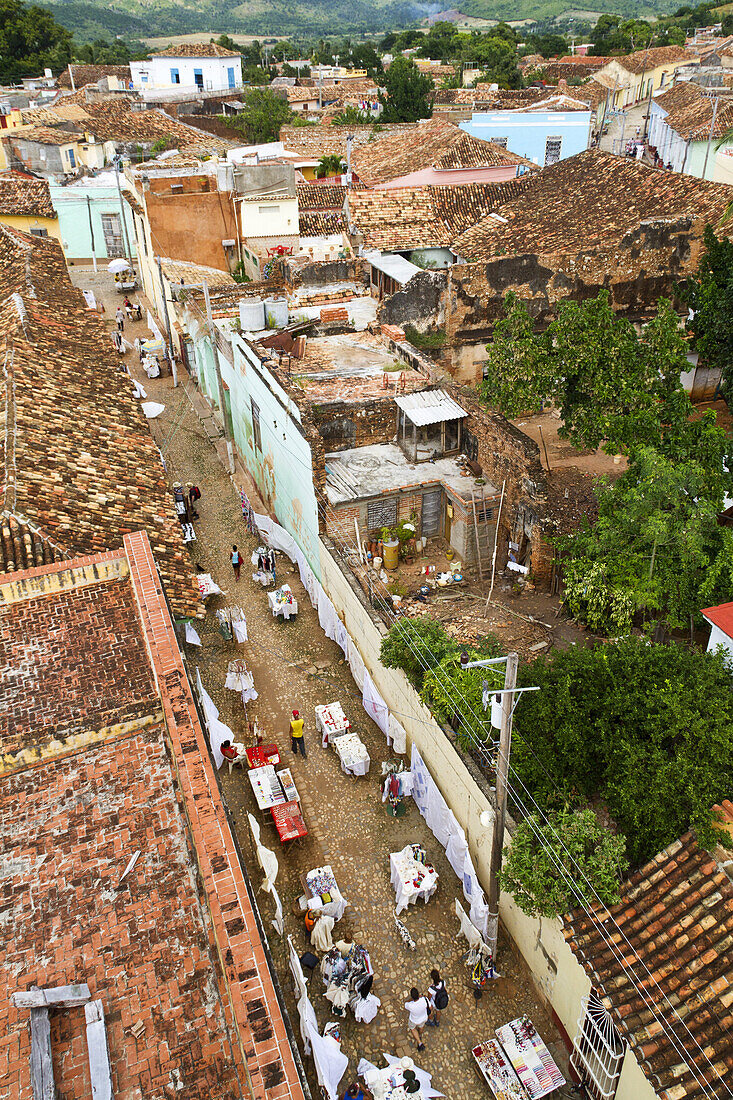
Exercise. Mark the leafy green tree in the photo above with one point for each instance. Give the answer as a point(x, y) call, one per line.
point(407, 93)
point(709, 293)
point(330, 164)
point(352, 116)
point(499, 60)
point(646, 728)
point(264, 114)
point(30, 40)
point(548, 45)
point(364, 56)
point(413, 644)
point(549, 862)
point(517, 374)
point(656, 549)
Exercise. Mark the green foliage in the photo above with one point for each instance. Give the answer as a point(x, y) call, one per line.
point(426, 340)
point(30, 40)
point(548, 45)
point(710, 294)
point(657, 548)
point(408, 638)
point(264, 114)
point(456, 694)
point(330, 164)
point(352, 116)
point(611, 385)
point(592, 858)
point(407, 95)
point(160, 146)
point(647, 728)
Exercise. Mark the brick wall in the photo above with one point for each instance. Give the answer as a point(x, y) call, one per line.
point(344, 424)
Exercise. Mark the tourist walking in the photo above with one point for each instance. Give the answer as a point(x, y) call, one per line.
point(417, 1011)
point(297, 741)
point(438, 997)
point(236, 560)
point(120, 318)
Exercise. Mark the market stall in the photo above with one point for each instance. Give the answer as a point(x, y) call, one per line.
point(349, 981)
point(283, 602)
point(532, 1061)
point(241, 679)
point(353, 754)
point(331, 722)
point(263, 559)
point(259, 755)
point(289, 821)
point(400, 1079)
point(232, 623)
point(321, 883)
point(412, 876)
point(207, 586)
point(497, 1071)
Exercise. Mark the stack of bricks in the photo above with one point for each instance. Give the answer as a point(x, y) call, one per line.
point(392, 332)
point(325, 298)
point(333, 316)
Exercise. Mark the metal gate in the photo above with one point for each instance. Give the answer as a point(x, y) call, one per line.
point(432, 513)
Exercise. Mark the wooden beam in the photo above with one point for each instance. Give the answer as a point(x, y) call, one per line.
point(99, 1067)
point(41, 1061)
point(60, 996)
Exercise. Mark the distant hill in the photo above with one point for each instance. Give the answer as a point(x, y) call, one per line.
point(146, 18)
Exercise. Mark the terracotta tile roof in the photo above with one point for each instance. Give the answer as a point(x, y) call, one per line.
point(43, 135)
point(676, 913)
point(182, 271)
point(589, 201)
point(321, 223)
point(481, 95)
point(191, 49)
point(299, 95)
point(55, 113)
point(91, 74)
point(83, 469)
point(20, 197)
point(315, 196)
point(643, 61)
point(691, 115)
point(421, 217)
point(315, 142)
point(435, 143)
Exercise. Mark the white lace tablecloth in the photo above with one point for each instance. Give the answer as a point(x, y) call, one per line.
point(287, 610)
point(353, 754)
point(411, 880)
point(322, 880)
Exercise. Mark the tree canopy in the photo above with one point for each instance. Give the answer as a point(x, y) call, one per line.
point(550, 862)
point(264, 114)
point(30, 40)
point(646, 728)
point(407, 93)
point(709, 293)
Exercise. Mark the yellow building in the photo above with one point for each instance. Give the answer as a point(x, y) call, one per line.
point(26, 204)
point(633, 78)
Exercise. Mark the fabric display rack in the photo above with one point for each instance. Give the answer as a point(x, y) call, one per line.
point(530, 1058)
point(348, 983)
point(397, 786)
point(282, 602)
point(263, 559)
point(239, 678)
point(232, 623)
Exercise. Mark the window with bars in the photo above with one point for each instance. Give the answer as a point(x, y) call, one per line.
point(503, 141)
point(553, 148)
point(382, 512)
point(112, 230)
point(599, 1050)
point(257, 434)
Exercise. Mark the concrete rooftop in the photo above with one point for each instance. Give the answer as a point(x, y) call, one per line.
point(368, 471)
point(351, 367)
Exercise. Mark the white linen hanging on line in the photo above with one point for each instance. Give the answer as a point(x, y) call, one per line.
point(239, 626)
point(330, 1063)
point(327, 616)
point(374, 704)
point(342, 637)
point(469, 931)
point(356, 665)
point(191, 635)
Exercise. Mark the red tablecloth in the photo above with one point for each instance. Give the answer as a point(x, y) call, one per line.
point(260, 755)
point(288, 821)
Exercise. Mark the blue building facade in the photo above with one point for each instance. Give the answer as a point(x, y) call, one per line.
point(544, 137)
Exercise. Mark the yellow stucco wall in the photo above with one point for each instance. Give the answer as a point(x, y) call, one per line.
point(26, 223)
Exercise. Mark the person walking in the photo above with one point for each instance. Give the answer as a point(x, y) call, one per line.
point(120, 318)
point(417, 1011)
point(438, 998)
point(297, 741)
point(194, 495)
point(236, 560)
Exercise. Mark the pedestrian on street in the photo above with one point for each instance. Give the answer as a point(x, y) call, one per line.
point(438, 998)
point(417, 1010)
point(194, 494)
point(120, 318)
point(236, 560)
point(297, 741)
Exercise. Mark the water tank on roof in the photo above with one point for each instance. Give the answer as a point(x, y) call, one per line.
point(252, 314)
point(276, 312)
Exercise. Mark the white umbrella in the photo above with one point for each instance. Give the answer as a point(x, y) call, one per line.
point(118, 266)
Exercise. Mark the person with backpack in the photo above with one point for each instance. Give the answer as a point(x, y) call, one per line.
point(193, 495)
point(438, 998)
point(236, 560)
point(418, 1010)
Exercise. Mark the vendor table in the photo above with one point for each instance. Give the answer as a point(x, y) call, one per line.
point(352, 754)
point(288, 785)
point(411, 879)
point(266, 787)
point(331, 722)
point(321, 880)
point(496, 1070)
point(259, 755)
point(388, 1083)
point(283, 602)
point(530, 1057)
point(289, 821)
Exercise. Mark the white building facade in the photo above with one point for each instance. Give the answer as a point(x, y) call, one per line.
point(210, 69)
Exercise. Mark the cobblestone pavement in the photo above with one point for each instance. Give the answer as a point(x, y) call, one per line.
point(296, 666)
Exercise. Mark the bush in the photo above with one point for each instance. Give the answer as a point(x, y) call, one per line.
point(413, 644)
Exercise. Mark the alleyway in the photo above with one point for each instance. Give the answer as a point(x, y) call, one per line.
point(296, 666)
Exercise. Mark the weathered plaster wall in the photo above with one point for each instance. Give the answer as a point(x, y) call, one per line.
point(192, 226)
point(345, 424)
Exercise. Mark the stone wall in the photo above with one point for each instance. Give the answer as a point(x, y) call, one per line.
point(344, 424)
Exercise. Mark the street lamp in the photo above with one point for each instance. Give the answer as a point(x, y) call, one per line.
point(506, 695)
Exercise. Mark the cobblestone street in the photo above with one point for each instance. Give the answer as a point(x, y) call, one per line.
point(296, 666)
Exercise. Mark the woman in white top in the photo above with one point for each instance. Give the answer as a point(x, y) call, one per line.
point(417, 1010)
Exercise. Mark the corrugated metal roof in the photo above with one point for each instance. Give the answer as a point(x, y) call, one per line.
point(430, 407)
point(396, 267)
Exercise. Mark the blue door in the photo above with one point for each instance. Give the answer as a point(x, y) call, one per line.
point(230, 73)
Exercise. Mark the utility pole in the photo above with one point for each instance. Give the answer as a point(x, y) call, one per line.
point(171, 357)
point(122, 210)
point(347, 207)
point(91, 232)
point(710, 135)
point(502, 782)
